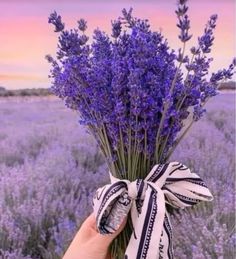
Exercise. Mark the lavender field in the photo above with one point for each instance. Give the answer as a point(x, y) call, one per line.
point(50, 168)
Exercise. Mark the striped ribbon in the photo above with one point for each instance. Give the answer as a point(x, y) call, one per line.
point(171, 183)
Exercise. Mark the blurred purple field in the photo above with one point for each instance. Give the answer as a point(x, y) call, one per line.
point(50, 168)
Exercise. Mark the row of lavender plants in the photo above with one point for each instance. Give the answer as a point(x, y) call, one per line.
point(50, 168)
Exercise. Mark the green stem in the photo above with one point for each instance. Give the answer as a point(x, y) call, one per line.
point(108, 147)
point(184, 133)
point(179, 105)
point(145, 150)
point(122, 151)
point(166, 106)
point(179, 139)
point(135, 152)
point(129, 152)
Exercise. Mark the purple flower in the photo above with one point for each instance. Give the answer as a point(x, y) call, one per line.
point(131, 91)
point(198, 112)
point(206, 40)
point(82, 25)
point(55, 19)
point(116, 28)
point(184, 22)
point(127, 17)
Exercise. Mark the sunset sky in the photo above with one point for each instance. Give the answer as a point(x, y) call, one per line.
point(26, 37)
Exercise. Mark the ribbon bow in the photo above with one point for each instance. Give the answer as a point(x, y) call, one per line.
point(171, 183)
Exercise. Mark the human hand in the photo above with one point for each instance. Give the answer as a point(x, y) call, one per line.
point(89, 243)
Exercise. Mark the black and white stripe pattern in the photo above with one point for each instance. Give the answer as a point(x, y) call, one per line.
point(171, 183)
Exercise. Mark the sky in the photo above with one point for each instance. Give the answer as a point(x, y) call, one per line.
point(26, 37)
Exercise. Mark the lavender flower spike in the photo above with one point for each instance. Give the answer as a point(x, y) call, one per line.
point(55, 19)
point(82, 25)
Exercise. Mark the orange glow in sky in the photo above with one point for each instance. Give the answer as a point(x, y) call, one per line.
point(26, 36)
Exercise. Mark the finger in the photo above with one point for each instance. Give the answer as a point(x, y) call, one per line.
point(106, 239)
point(88, 228)
point(90, 221)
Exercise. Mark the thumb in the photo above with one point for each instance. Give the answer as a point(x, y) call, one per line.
point(106, 239)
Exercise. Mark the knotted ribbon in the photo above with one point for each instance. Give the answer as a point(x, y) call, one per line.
point(170, 183)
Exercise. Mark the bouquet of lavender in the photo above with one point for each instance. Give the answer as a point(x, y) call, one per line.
point(138, 98)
